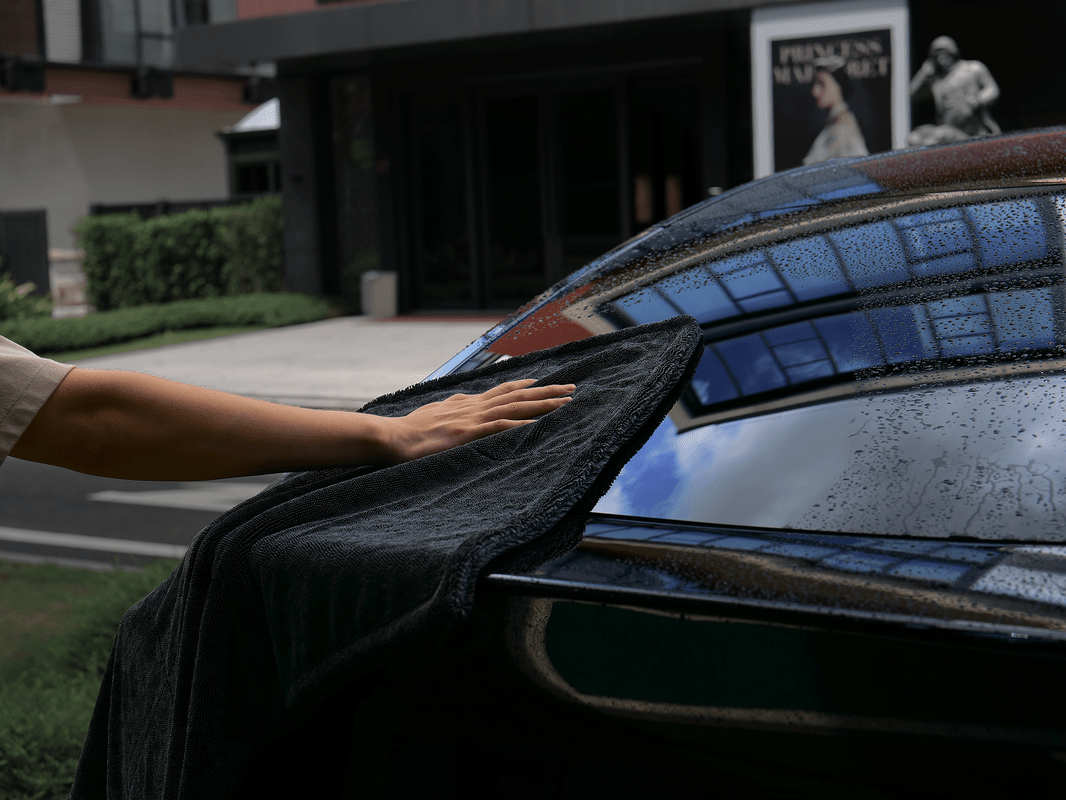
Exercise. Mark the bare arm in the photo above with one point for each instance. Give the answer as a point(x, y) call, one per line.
point(129, 425)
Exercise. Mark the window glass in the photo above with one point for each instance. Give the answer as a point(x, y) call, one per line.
point(810, 267)
point(695, 293)
point(1008, 233)
point(712, 381)
point(899, 375)
point(751, 363)
point(873, 254)
point(647, 305)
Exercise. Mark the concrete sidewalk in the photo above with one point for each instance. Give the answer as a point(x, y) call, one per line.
point(337, 363)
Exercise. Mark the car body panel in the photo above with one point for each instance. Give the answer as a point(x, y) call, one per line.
point(843, 554)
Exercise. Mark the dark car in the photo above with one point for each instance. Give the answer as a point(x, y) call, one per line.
point(839, 566)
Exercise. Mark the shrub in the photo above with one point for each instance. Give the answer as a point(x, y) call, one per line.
point(110, 263)
point(193, 254)
point(16, 302)
point(46, 335)
point(252, 235)
point(180, 256)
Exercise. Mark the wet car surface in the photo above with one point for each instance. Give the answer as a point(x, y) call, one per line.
point(881, 395)
point(839, 565)
point(874, 442)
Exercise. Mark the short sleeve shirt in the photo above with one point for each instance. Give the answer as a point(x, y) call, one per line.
point(26, 382)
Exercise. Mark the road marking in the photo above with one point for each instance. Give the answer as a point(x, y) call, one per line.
point(79, 542)
point(77, 563)
point(217, 497)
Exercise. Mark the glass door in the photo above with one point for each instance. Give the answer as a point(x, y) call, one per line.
point(664, 148)
point(514, 200)
point(588, 198)
point(442, 256)
point(514, 188)
point(551, 187)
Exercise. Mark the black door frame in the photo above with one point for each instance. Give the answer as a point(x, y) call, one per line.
point(413, 105)
point(472, 95)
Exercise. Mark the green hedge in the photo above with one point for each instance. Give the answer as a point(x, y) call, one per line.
point(252, 236)
point(194, 254)
point(110, 260)
point(45, 335)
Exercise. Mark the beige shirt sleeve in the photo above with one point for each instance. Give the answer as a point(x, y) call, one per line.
point(26, 382)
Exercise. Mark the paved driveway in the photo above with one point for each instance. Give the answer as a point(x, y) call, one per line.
point(337, 363)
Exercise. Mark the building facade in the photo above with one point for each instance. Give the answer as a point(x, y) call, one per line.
point(482, 149)
point(94, 110)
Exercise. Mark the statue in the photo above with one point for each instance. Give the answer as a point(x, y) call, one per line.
point(841, 137)
point(962, 91)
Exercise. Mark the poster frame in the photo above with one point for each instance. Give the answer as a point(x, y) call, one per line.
point(817, 20)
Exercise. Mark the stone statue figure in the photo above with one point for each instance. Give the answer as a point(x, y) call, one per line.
point(962, 91)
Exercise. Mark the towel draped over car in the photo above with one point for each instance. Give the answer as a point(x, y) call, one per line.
point(326, 575)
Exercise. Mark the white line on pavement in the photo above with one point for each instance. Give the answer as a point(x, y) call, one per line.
point(217, 497)
point(77, 563)
point(79, 542)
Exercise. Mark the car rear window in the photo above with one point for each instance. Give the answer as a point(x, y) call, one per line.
point(879, 368)
point(896, 375)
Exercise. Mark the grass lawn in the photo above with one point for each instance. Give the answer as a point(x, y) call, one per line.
point(56, 629)
point(157, 340)
point(37, 602)
point(35, 605)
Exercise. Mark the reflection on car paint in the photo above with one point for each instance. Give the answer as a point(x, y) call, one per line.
point(851, 554)
point(961, 581)
point(986, 460)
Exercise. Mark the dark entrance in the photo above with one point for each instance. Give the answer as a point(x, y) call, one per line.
point(442, 252)
point(511, 190)
point(24, 248)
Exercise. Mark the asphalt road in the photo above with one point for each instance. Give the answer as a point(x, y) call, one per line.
point(50, 514)
point(54, 515)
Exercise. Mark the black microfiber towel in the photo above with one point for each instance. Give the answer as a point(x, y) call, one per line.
point(326, 575)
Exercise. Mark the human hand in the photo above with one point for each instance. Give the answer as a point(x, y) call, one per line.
point(463, 418)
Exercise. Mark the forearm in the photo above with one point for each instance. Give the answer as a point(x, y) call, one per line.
point(129, 425)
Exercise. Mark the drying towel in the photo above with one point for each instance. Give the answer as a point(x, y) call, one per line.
point(325, 575)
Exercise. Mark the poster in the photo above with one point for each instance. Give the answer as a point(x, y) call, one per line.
point(829, 81)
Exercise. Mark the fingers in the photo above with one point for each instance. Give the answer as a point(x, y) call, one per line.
point(535, 394)
point(506, 388)
point(518, 386)
point(463, 418)
point(503, 388)
point(525, 409)
point(517, 390)
point(522, 403)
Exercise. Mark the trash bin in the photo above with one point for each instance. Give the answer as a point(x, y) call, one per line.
point(377, 292)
